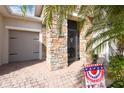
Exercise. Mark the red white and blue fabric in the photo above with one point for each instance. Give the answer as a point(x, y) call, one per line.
point(94, 73)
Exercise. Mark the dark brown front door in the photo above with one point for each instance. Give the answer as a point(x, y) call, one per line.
point(73, 41)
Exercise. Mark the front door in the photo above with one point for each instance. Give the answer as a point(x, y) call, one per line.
point(73, 41)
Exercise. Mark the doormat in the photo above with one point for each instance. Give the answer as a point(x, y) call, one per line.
point(94, 76)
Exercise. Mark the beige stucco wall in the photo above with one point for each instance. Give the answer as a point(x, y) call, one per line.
point(4, 34)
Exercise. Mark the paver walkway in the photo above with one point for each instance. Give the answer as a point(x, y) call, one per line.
point(35, 74)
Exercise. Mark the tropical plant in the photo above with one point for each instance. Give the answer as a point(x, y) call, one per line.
point(115, 71)
point(120, 44)
point(107, 23)
point(24, 9)
point(60, 11)
point(117, 84)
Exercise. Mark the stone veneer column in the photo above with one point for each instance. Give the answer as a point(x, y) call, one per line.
point(57, 56)
point(84, 56)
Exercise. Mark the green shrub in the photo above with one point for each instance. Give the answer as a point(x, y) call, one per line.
point(118, 84)
point(116, 71)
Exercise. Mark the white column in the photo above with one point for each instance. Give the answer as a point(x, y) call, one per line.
point(5, 49)
point(107, 52)
point(40, 45)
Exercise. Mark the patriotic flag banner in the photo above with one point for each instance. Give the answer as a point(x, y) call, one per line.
point(94, 76)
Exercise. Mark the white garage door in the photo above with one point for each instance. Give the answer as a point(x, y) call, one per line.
point(23, 46)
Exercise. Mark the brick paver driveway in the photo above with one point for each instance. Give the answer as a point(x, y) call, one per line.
point(35, 74)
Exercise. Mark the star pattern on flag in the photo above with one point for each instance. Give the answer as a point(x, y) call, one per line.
point(94, 73)
point(93, 68)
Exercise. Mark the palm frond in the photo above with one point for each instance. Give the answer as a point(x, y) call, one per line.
point(24, 9)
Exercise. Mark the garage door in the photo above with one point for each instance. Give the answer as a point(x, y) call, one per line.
point(23, 46)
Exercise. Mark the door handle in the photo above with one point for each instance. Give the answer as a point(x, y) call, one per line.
point(36, 52)
point(13, 54)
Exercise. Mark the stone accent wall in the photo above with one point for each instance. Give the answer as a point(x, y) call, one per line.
point(84, 56)
point(57, 57)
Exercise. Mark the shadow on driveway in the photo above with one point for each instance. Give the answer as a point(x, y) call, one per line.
point(10, 67)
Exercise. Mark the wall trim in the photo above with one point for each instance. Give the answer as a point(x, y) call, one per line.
point(22, 28)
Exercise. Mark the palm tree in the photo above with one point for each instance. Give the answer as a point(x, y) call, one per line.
point(107, 22)
point(109, 27)
point(62, 12)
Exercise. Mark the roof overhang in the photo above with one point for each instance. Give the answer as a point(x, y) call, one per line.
point(38, 10)
point(22, 28)
point(5, 11)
